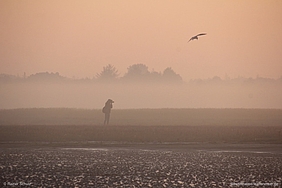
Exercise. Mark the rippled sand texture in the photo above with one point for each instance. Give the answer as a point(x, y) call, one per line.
point(137, 168)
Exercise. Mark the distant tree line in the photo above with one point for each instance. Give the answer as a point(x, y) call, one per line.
point(37, 77)
point(109, 74)
point(135, 73)
point(239, 79)
point(138, 73)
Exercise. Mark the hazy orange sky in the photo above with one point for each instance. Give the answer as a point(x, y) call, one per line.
point(78, 38)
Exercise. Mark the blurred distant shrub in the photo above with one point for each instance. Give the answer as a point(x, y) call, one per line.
point(170, 76)
point(140, 72)
point(109, 73)
point(137, 72)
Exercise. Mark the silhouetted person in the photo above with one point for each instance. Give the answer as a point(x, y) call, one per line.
point(107, 110)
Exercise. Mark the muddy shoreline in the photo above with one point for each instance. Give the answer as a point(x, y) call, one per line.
point(140, 156)
point(142, 134)
point(132, 166)
point(168, 146)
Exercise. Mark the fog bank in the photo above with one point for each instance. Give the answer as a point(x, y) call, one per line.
point(141, 95)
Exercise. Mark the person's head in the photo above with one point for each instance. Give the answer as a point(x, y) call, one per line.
point(110, 101)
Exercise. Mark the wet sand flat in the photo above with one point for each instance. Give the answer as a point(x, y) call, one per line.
point(140, 156)
point(149, 165)
point(121, 133)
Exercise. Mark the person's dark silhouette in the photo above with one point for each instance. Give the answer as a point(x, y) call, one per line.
point(107, 110)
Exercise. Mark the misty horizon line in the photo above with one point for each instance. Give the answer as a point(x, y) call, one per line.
point(53, 77)
point(53, 90)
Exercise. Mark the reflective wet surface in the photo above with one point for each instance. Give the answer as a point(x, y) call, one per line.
point(144, 166)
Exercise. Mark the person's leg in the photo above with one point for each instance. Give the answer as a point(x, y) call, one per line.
point(107, 118)
point(105, 121)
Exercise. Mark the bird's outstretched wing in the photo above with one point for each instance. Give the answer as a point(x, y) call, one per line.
point(201, 34)
point(196, 36)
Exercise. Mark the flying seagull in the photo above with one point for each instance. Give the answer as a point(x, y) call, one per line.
point(196, 37)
